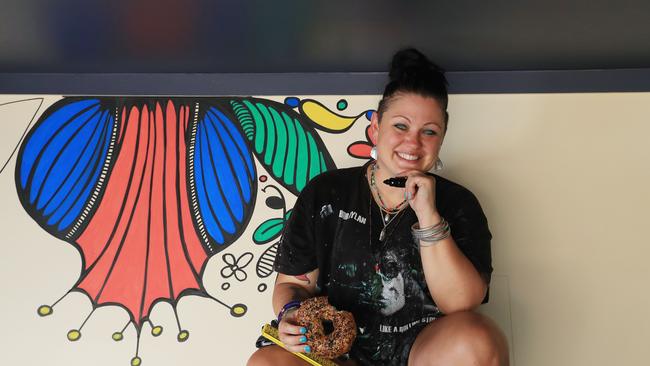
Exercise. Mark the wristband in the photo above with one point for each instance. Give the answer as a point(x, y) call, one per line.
point(432, 234)
point(288, 306)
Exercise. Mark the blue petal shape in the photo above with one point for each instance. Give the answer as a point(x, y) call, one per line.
point(61, 160)
point(41, 134)
point(292, 102)
point(224, 174)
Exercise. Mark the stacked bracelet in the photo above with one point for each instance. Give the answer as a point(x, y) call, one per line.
point(431, 234)
point(288, 306)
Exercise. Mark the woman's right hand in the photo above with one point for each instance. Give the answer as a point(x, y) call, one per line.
point(292, 334)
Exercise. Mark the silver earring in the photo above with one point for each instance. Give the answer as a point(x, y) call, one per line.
point(438, 166)
point(373, 152)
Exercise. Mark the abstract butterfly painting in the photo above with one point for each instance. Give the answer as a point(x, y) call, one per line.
point(149, 189)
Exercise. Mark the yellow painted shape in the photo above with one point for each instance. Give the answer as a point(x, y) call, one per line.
point(156, 331)
point(44, 310)
point(183, 335)
point(74, 335)
point(136, 361)
point(326, 118)
point(117, 336)
point(239, 310)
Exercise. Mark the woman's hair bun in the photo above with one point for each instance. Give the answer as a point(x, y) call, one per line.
point(409, 64)
point(411, 71)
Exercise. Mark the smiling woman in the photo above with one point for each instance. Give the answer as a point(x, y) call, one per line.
point(417, 253)
point(411, 135)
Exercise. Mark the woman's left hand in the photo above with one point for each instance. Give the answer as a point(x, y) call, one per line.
point(420, 191)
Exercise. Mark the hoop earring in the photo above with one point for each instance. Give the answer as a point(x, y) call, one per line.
point(373, 152)
point(438, 166)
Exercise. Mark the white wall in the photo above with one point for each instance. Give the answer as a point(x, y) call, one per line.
point(563, 178)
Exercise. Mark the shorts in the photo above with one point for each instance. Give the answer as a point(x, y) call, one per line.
point(394, 352)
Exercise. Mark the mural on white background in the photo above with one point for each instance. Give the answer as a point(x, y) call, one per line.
point(150, 190)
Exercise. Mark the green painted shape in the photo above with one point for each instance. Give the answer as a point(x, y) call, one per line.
point(270, 131)
point(260, 133)
point(323, 166)
point(288, 150)
point(303, 158)
point(281, 144)
point(245, 119)
point(314, 159)
point(268, 230)
point(292, 138)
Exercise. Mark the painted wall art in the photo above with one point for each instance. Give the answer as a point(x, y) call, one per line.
point(148, 191)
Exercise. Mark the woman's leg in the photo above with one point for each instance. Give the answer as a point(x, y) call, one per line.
point(463, 338)
point(276, 355)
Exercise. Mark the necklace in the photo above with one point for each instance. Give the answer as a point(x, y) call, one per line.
point(388, 214)
point(382, 233)
point(374, 187)
point(376, 252)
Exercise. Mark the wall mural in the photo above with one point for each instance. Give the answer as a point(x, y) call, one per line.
point(148, 189)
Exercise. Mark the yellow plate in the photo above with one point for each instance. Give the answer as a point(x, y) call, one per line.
point(271, 334)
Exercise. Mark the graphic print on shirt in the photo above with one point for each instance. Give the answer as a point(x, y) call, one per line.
point(380, 278)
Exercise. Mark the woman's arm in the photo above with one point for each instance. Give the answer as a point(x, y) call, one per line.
point(293, 288)
point(288, 288)
point(453, 281)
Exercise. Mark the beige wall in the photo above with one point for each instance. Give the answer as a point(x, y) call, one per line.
point(563, 178)
point(565, 182)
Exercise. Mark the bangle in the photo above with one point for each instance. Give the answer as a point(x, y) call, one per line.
point(288, 306)
point(431, 234)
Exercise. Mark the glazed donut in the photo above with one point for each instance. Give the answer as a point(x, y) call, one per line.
point(314, 314)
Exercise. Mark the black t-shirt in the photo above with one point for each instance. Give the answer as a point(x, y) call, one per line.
point(335, 226)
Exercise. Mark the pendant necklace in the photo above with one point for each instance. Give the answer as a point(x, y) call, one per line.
point(376, 252)
point(387, 219)
point(388, 214)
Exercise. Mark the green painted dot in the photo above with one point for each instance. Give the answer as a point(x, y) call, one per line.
point(342, 104)
point(183, 335)
point(45, 310)
point(238, 310)
point(136, 361)
point(156, 331)
point(74, 335)
point(117, 336)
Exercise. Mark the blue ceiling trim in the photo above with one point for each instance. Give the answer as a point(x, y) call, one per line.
point(483, 82)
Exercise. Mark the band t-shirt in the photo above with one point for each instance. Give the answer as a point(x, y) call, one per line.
point(335, 226)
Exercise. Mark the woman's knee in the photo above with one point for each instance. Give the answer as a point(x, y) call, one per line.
point(481, 341)
point(273, 355)
point(464, 338)
point(258, 358)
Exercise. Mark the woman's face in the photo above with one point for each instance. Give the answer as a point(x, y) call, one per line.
point(409, 134)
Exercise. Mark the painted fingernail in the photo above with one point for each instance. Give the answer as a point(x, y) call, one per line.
point(307, 349)
point(303, 339)
point(303, 330)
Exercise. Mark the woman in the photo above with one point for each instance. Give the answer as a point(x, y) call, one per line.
point(411, 263)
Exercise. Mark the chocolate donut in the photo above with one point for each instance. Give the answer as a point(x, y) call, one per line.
point(315, 314)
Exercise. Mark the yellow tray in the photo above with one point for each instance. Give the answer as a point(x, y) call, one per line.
point(271, 334)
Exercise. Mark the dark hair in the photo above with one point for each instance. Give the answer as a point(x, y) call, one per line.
point(413, 72)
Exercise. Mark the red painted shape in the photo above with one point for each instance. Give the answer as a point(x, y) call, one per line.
point(360, 150)
point(140, 245)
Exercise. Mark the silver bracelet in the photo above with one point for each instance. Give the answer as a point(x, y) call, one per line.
point(431, 234)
